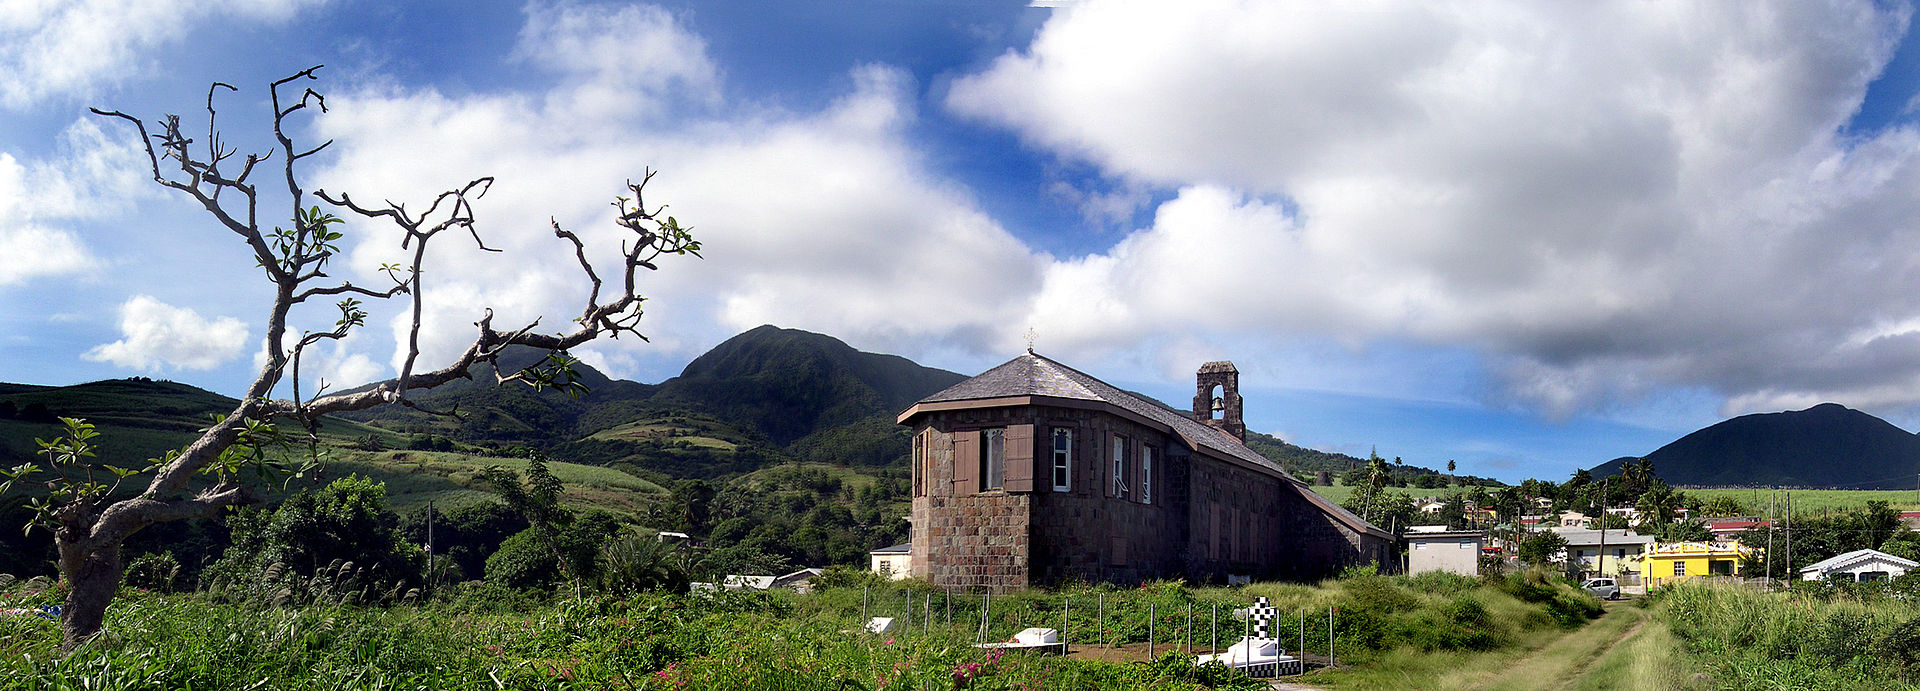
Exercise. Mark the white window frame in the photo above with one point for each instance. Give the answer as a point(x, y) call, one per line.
point(1062, 459)
point(1146, 474)
point(993, 458)
point(1120, 490)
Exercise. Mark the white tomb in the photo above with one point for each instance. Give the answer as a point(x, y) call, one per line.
point(1258, 655)
point(1037, 639)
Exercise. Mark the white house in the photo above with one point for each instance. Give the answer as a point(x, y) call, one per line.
point(894, 562)
point(1621, 549)
point(1454, 551)
point(1859, 565)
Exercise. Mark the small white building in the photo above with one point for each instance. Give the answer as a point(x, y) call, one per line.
point(1453, 551)
point(893, 563)
point(1859, 565)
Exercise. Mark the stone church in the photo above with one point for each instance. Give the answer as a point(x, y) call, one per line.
point(1035, 473)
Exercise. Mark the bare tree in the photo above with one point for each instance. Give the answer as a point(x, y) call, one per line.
point(89, 526)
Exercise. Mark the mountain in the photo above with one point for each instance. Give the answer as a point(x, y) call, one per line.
point(139, 418)
point(1828, 445)
point(790, 384)
point(763, 397)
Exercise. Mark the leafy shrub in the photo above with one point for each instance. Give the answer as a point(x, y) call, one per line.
point(524, 561)
point(154, 571)
point(339, 545)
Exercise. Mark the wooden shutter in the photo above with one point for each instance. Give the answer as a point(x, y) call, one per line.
point(1019, 470)
point(966, 462)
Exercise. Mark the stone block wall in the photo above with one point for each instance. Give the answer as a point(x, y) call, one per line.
point(1000, 540)
point(1251, 523)
point(1207, 518)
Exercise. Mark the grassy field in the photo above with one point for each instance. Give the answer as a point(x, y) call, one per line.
point(480, 638)
point(451, 478)
point(1814, 500)
point(1626, 649)
point(1805, 501)
point(693, 432)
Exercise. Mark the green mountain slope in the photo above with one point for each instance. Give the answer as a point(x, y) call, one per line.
point(1826, 446)
point(789, 384)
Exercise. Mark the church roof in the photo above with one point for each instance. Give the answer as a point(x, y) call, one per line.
point(1032, 374)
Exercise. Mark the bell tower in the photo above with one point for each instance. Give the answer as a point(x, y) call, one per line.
point(1216, 398)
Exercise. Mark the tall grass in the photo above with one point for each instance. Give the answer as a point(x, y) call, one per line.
point(1748, 639)
point(735, 640)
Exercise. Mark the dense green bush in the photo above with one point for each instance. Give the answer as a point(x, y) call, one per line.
point(339, 544)
point(524, 561)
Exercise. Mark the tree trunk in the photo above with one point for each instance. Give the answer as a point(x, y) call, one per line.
point(92, 574)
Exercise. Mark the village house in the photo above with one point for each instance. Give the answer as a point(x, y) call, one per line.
point(1672, 562)
point(1730, 528)
point(892, 563)
point(1860, 565)
point(1434, 548)
point(1034, 473)
point(1585, 548)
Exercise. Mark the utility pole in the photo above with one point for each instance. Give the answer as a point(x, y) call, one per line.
point(1773, 511)
point(1601, 566)
point(1789, 568)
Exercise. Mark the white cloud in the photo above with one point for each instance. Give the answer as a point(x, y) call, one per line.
point(618, 62)
point(53, 47)
point(156, 336)
point(825, 220)
point(1604, 198)
point(90, 178)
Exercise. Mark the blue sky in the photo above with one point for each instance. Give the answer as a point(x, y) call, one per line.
point(1526, 238)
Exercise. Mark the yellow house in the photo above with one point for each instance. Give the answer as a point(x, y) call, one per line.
point(1672, 562)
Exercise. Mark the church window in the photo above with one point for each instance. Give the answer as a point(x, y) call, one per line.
point(1062, 459)
point(993, 472)
point(1120, 467)
point(1146, 474)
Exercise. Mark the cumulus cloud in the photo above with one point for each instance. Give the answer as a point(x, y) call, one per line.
point(55, 47)
point(89, 178)
point(155, 336)
point(618, 62)
point(1604, 198)
point(825, 220)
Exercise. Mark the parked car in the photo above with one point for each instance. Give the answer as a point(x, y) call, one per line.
point(1603, 588)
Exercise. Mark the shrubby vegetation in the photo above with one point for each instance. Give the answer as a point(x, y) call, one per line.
point(1815, 636)
point(340, 544)
point(475, 636)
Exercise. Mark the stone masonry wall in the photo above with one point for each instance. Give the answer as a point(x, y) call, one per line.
point(1250, 523)
point(998, 540)
point(976, 541)
point(1207, 518)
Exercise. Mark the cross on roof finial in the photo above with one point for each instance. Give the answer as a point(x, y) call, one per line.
point(1030, 336)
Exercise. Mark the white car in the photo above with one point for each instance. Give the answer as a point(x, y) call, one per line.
point(1603, 588)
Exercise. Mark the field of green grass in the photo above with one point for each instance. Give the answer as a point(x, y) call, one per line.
point(451, 478)
point(694, 433)
point(1814, 500)
point(1805, 501)
point(478, 637)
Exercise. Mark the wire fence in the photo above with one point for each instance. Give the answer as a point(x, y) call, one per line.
point(1138, 624)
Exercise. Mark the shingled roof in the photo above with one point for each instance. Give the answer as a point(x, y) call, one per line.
point(1032, 374)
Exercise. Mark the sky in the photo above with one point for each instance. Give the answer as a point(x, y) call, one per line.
point(1526, 237)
